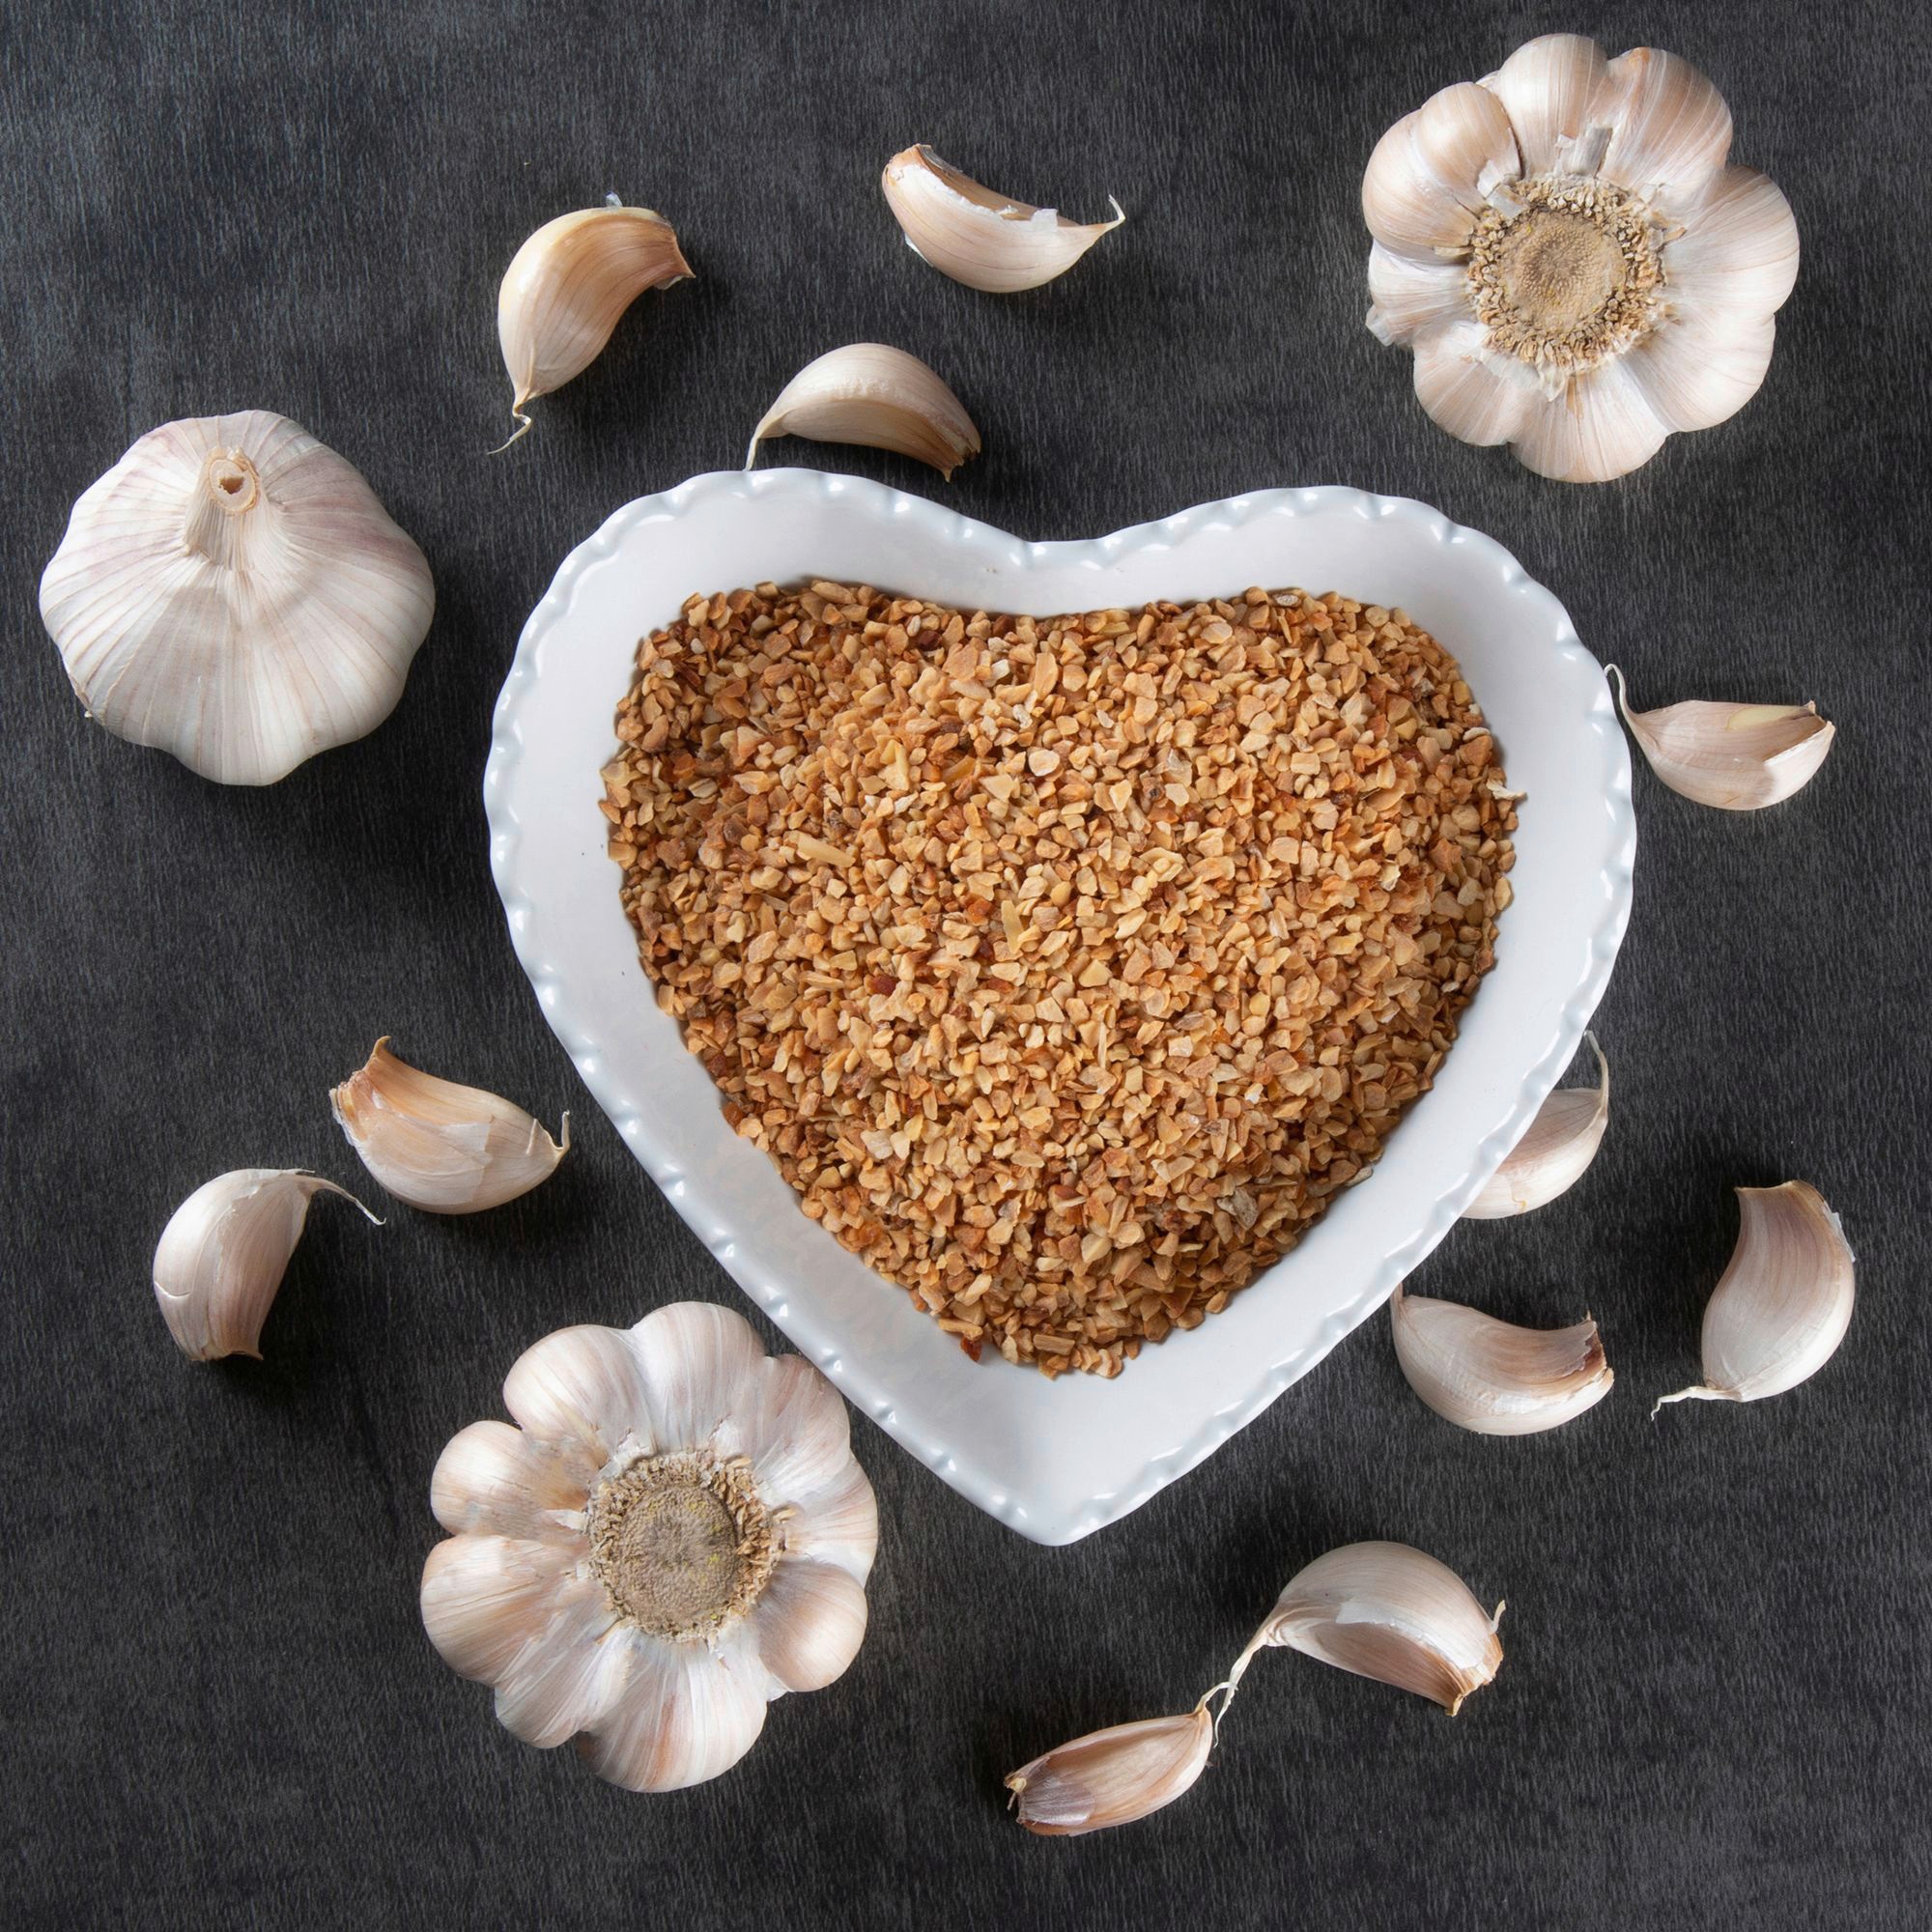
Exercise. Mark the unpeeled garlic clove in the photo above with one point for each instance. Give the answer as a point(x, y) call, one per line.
point(567, 286)
point(1560, 1142)
point(441, 1146)
point(224, 1251)
point(1735, 756)
point(878, 397)
point(1113, 1777)
point(984, 239)
point(231, 591)
point(1492, 1377)
point(1391, 1612)
point(1780, 1309)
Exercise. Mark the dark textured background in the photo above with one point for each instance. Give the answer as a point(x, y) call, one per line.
point(217, 1703)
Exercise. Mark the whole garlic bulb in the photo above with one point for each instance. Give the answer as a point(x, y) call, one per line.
point(232, 591)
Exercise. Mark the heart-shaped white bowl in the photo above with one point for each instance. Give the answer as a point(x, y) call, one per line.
point(1055, 1459)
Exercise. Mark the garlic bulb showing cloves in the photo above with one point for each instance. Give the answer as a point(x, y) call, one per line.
point(1388, 1611)
point(566, 287)
point(224, 1254)
point(1560, 1142)
point(1492, 1377)
point(1735, 756)
point(1576, 269)
point(876, 396)
point(1783, 1304)
point(443, 1147)
point(232, 593)
point(984, 239)
point(1113, 1777)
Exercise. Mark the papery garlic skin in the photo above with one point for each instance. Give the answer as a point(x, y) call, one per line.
point(1553, 1154)
point(1493, 1378)
point(1391, 1612)
point(674, 1534)
point(222, 1256)
point(986, 240)
point(232, 593)
point(568, 285)
point(1783, 1305)
point(1112, 1776)
point(878, 397)
point(1738, 757)
point(439, 1146)
point(1576, 269)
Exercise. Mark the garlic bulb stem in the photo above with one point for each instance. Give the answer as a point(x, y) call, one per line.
point(878, 397)
point(1553, 1154)
point(1783, 1306)
point(1739, 757)
point(222, 1256)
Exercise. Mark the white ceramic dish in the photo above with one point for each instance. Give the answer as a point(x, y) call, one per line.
point(1058, 1460)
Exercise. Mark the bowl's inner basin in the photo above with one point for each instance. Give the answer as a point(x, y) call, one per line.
point(1066, 967)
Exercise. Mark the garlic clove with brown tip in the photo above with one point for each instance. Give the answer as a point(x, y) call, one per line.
point(1783, 1306)
point(1113, 1777)
point(224, 1251)
point(986, 240)
point(1735, 756)
point(1493, 1378)
point(231, 591)
point(878, 397)
point(1559, 1145)
point(567, 286)
point(1388, 1611)
point(439, 1146)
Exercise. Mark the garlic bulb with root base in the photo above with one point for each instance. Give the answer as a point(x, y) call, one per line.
point(674, 1534)
point(1113, 1777)
point(1388, 1611)
point(986, 240)
point(224, 1251)
point(231, 591)
point(1490, 1376)
point(1783, 1306)
point(1551, 1157)
point(1576, 269)
point(567, 286)
point(1735, 756)
point(876, 396)
point(439, 1146)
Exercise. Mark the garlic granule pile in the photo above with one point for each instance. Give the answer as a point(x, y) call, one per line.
point(1576, 269)
point(1066, 967)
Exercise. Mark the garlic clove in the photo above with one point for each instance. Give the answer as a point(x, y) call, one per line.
point(810, 1624)
point(1476, 397)
point(1601, 426)
point(1409, 294)
point(1671, 128)
point(1551, 1157)
point(678, 1719)
point(696, 1363)
point(1783, 1306)
point(795, 1432)
point(1550, 87)
point(1113, 1777)
point(1462, 136)
point(1408, 206)
point(441, 1146)
point(1391, 1612)
point(837, 1523)
point(232, 593)
point(1742, 252)
point(492, 1480)
point(569, 1672)
point(484, 1596)
point(984, 240)
point(876, 396)
point(224, 1251)
point(1493, 1377)
point(1700, 367)
point(567, 286)
point(582, 1389)
point(1738, 757)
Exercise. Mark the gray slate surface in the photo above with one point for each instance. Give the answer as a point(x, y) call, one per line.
point(219, 1705)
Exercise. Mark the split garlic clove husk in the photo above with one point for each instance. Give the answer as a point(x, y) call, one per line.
point(984, 239)
point(1490, 1376)
point(231, 591)
point(876, 396)
point(1735, 756)
point(1562, 1142)
point(1388, 1611)
point(441, 1146)
point(224, 1251)
point(567, 286)
point(1113, 1777)
point(1783, 1306)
